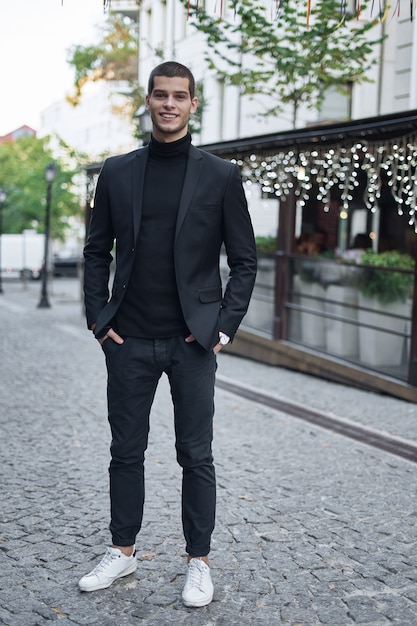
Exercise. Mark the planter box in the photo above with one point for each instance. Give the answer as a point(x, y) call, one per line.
point(260, 314)
point(342, 338)
point(378, 347)
point(294, 316)
point(313, 331)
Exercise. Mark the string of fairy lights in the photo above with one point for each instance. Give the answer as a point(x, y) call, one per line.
point(326, 172)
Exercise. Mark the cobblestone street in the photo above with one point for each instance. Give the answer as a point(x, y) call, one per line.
point(312, 527)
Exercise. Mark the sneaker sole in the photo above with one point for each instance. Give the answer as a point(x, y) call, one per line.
point(128, 571)
point(197, 605)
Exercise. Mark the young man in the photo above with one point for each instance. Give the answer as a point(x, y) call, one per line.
point(169, 207)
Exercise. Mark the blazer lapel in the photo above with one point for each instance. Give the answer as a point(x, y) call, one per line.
point(192, 174)
point(138, 178)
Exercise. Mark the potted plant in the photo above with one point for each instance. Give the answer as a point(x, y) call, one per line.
point(386, 287)
point(266, 245)
point(384, 302)
point(309, 293)
point(341, 306)
point(260, 314)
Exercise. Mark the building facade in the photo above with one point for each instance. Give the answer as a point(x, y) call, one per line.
point(17, 133)
point(94, 128)
point(165, 32)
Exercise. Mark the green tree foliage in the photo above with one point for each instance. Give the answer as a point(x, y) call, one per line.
point(22, 166)
point(288, 59)
point(113, 58)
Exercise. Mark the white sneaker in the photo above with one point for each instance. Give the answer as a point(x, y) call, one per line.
point(114, 564)
point(198, 589)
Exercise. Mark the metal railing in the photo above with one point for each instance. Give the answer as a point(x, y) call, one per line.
point(328, 309)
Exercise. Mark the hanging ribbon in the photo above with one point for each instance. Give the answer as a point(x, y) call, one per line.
point(383, 9)
point(278, 8)
point(342, 13)
point(221, 8)
point(106, 4)
point(279, 4)
point(385, 12)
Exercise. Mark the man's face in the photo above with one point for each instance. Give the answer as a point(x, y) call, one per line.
point(170, 106)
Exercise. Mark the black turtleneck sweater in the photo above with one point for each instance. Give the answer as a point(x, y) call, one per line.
point(151, 306)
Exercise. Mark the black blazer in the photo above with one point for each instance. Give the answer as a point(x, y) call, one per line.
point(212, 211)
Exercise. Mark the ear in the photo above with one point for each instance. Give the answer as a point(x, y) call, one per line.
point(194, 105)
point(147, 102)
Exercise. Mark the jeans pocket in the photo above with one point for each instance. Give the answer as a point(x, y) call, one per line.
point(109, 346)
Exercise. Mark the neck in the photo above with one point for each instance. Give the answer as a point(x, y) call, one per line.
point(172, 148)
point(168, 138)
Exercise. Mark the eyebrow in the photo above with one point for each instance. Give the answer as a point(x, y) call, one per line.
point(180, 92)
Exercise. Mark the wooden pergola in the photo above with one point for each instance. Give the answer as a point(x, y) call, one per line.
point(389, 143)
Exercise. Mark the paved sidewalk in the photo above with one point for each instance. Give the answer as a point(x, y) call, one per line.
point(312, 528)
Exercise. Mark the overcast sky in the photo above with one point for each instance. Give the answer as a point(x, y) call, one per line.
point(34, 37)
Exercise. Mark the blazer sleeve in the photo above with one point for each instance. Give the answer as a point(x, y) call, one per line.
point(239, 242)
point(97, 252)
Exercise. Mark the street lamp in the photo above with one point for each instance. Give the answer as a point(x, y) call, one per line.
point(3, 196)
point(145, 123)
point(50, 173)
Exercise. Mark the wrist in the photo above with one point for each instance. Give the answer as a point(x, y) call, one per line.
point(223, 338)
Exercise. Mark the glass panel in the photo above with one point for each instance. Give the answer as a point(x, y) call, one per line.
point(328, 311)
point(260, 315)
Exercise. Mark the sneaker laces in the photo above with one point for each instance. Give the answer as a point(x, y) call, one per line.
point(196, 572)
point(104, 563)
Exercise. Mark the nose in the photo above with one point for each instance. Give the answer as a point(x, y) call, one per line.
point(169, 102)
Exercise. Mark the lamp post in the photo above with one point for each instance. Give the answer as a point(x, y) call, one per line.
point(3, 197)
point(145, 123)
point(50, 173)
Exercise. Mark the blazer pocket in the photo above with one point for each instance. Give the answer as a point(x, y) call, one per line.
point(210, 294)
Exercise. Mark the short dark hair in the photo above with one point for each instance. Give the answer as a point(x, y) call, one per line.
point(171, 69)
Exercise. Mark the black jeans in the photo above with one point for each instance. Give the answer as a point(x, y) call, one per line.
point(134, 369)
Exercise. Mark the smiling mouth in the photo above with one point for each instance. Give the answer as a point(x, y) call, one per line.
point(168, 116)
